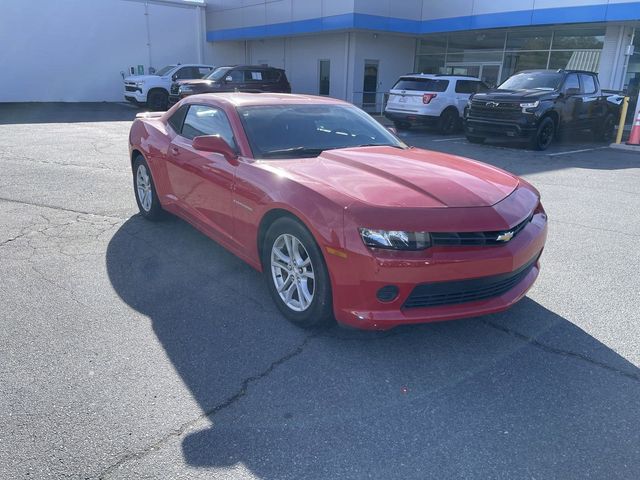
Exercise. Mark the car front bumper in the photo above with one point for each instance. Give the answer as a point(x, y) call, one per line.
point(355, 289)
point(496, 128)
point(135, 96)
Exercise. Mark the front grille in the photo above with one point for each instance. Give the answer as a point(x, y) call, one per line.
point(129, 88)
point(495, 110)
point(450, 239)
point(462, 291)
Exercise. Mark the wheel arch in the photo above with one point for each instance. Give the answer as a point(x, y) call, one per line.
point(554, 115)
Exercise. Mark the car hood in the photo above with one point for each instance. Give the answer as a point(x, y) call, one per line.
point(139, 78)
point(387, 176)
point(196, 82)
point(515, 95)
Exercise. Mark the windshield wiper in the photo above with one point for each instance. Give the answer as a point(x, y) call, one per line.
point(294, 151)
point(378, 145)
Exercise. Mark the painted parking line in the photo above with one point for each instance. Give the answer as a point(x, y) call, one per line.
point(449, 139)
point(575, 151)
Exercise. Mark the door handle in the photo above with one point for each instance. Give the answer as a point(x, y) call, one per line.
point(174, 150)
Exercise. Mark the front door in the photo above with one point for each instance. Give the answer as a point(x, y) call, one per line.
point(203, 181)
point(370, 85)
point(571, 102)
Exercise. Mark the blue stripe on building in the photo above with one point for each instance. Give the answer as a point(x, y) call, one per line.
point(360, 21)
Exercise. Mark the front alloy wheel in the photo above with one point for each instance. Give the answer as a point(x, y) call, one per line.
point(296, 273)
point(292, 272)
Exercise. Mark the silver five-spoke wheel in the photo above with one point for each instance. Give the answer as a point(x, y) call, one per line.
point(292, 272)
point(143, 187)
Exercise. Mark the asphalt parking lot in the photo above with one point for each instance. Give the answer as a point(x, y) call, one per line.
point(139, 350)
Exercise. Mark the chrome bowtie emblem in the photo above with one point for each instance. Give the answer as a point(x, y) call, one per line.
point(504, 237)
point(492, 104)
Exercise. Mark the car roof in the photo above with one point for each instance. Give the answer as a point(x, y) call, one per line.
point(440, 76)
point(559, 70)
point(251, 67)
point(242, 99)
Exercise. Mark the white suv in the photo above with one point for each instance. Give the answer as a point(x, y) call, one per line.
point(428, 99)
point(153, 90)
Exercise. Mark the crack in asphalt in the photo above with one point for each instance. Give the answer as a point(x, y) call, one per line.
point(558, 351)
point(228, 402)
point(63, 209)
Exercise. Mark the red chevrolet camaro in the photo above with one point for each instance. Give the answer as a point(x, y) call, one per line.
point(344, 220)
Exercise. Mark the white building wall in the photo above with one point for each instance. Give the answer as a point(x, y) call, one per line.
point(74, 50)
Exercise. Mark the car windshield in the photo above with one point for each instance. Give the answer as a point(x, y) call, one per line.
point(218, 73)
point(294, 131)
point(538, 80)
point(164, 70)
point(421, 84)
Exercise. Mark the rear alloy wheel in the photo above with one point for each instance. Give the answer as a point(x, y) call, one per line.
point(544, 134)
point(158, 100)
point(606, 132)
point(296, 274)
point(448, 121)
point(145, 190)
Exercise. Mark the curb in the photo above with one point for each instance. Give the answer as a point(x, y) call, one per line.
point(624, 146)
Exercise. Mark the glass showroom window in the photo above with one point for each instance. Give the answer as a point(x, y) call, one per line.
point(324, 82)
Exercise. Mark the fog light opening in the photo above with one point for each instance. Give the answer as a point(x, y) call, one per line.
point(388, 293)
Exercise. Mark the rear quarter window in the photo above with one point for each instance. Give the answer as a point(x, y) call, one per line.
point(422, 84)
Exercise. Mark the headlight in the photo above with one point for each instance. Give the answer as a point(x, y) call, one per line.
point(530, 104)
point(395, 239)
point(185, 89)
point(139, 84)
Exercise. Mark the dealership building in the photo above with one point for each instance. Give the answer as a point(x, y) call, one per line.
point(356, 49)
point(78, 50)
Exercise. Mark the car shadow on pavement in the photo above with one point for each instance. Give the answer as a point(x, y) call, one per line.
point(522, 394)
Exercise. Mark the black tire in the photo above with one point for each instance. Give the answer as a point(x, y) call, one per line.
point(157, 100)
point(449, 121)
point(319, 311)
point(154, 212)
point(606, 131)
point(402, 125)
point(544, 134)
point(474, 139)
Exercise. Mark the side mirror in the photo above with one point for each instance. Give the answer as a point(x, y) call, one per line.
point(571, 91)
point(393, 130)
point(174, 77)
point(228, 79)
point(214, 144)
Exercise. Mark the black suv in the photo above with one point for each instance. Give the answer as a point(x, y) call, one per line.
point(540, 105)
point(238, 78)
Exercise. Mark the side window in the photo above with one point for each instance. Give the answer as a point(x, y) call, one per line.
point(272, 75)
point(185, 73)
point(234, 76)
point(588, 83)
point(571, 82)
point(253, 75)
point(465, 86)
point(176, 120)
point(206, 120)
point(202, 71)
point(482, 87)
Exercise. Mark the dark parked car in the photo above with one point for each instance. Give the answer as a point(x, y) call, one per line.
point(540, 105)
point(241, 78)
